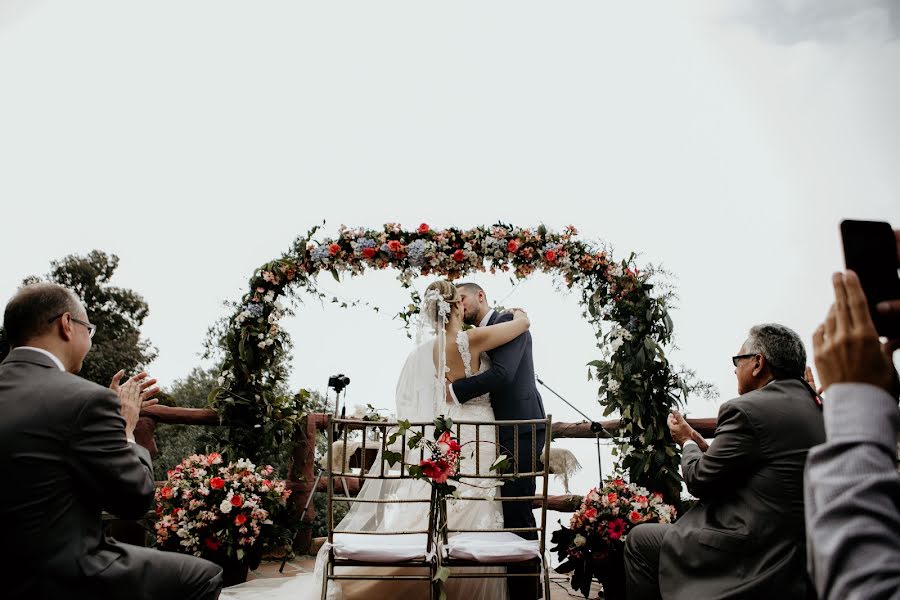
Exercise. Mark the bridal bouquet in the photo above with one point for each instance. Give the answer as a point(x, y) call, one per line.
point(592, 544)
point(218, 511)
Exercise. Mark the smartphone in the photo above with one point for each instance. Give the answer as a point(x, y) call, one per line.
point(870, 250)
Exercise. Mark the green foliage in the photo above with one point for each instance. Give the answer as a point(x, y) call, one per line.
point(117, 312)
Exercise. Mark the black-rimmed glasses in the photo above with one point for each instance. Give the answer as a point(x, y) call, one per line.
point(92, 329)
point(735, 359)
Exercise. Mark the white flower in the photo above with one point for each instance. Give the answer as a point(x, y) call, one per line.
point(616, 270)
point(580, 541)
point(616, 344)
point(613, 386)
point(225, 507)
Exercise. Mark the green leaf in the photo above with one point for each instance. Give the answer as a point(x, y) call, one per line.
point(442, 574)
point(213, 395)
point(392, 458)
point(240, 554)
point(501, 464)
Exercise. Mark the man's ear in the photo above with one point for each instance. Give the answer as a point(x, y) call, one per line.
point(760, 365)
point(65, 324)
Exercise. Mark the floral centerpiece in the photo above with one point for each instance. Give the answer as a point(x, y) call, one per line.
point(592, 544)
point(224, 513)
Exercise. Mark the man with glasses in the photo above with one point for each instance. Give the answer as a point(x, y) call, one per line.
point(745, 536)
point(67, 453)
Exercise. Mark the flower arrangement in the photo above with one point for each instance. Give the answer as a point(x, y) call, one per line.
point(218, 511)
point(597, 530)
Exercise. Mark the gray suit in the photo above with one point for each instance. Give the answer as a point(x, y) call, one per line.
point(745, 536)
point(853, 497)
point(64, 456)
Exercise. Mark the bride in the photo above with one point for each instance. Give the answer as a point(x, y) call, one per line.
point(442, 347)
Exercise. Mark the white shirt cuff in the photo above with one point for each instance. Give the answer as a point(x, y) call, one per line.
point(452, 395)
point(131, 440)
point(684, 445)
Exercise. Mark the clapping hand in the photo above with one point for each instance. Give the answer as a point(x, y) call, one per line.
point(682, 432)
point(147, 386)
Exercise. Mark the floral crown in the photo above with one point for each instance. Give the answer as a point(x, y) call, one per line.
point(436, 306)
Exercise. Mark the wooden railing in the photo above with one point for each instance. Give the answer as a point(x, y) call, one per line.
point(301, 472)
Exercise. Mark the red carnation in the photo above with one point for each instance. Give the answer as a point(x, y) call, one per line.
point(167, 492)
point(513, 246)
point(240, 519)
point(334, 249)
point(459, 256)
point(550, 255)
point(368, 252)
point(217, 483)
point(236, 500)
point(394, 246)
point(424, 228)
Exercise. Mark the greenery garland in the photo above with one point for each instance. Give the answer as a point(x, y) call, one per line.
point(636, 379)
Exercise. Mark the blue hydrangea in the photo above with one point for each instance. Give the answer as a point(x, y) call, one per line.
point(255, 310)
point(365, 243)
point(416, 252)
point(385, 248)
point(321, 253)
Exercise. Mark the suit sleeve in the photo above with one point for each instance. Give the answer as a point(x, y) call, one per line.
point(505, 361)
point(852, 496)
point(728, 459)
point(120, 473)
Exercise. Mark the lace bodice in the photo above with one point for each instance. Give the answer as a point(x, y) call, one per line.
point(484, 363)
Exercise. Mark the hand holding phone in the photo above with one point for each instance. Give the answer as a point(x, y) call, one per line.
point(871, 251)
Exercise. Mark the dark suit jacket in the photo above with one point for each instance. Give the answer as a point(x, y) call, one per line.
point(745, 536)
point(510, 381)
point(64, 458)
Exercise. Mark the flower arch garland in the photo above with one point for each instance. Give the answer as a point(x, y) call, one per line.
point(635, 377)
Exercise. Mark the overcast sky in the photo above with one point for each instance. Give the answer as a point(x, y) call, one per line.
point(723, 141)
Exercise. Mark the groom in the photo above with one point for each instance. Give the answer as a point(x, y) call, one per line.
point(510, 382)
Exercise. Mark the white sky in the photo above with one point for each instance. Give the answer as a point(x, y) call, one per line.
point(196, 140)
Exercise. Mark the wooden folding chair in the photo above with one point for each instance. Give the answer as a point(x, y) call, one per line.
point(379, 551)
point(466, 549)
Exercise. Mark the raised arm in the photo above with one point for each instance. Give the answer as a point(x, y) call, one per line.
point(729, 457)
point(505, 361)
point(485, 339)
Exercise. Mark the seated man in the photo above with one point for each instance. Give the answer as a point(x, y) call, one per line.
point(745, 536)
point(67, 452)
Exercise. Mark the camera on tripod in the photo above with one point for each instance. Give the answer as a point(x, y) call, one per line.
point(338, 382)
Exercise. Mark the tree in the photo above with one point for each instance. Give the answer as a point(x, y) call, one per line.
point(118, 314)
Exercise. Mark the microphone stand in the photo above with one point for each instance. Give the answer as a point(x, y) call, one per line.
point(596, 427)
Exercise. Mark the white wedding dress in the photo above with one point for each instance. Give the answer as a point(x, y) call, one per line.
point(419, 398)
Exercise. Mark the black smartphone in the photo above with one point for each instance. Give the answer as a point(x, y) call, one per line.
point(870, 250)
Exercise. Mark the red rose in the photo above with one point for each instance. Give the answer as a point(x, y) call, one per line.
point(368, 252)
point(424, 228)
point(590, 514)
point(167, 492)
point(619, 483)
point(459, 256)
point(550, 255)
point(634, 516)
point(212, 457)
point(394, 246)
point(333, 249)
point(236, 500)
point(513, 246)
point(611, 498)
point(217, 483)
point(240, 520)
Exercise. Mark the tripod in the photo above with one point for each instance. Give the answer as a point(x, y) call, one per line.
point(596, 427)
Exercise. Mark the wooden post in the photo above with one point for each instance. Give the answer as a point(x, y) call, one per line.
point(301, 477)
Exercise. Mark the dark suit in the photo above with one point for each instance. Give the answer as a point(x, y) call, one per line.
point(64, 458)
point(745, 538)
point(514, 395)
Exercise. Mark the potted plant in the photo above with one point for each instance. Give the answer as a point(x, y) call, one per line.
point(222, 512)
point(593, 544)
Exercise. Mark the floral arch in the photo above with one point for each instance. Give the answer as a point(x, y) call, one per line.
point(636, 379)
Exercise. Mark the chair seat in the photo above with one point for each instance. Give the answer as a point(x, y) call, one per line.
point(492, 547)
point(381, 548)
